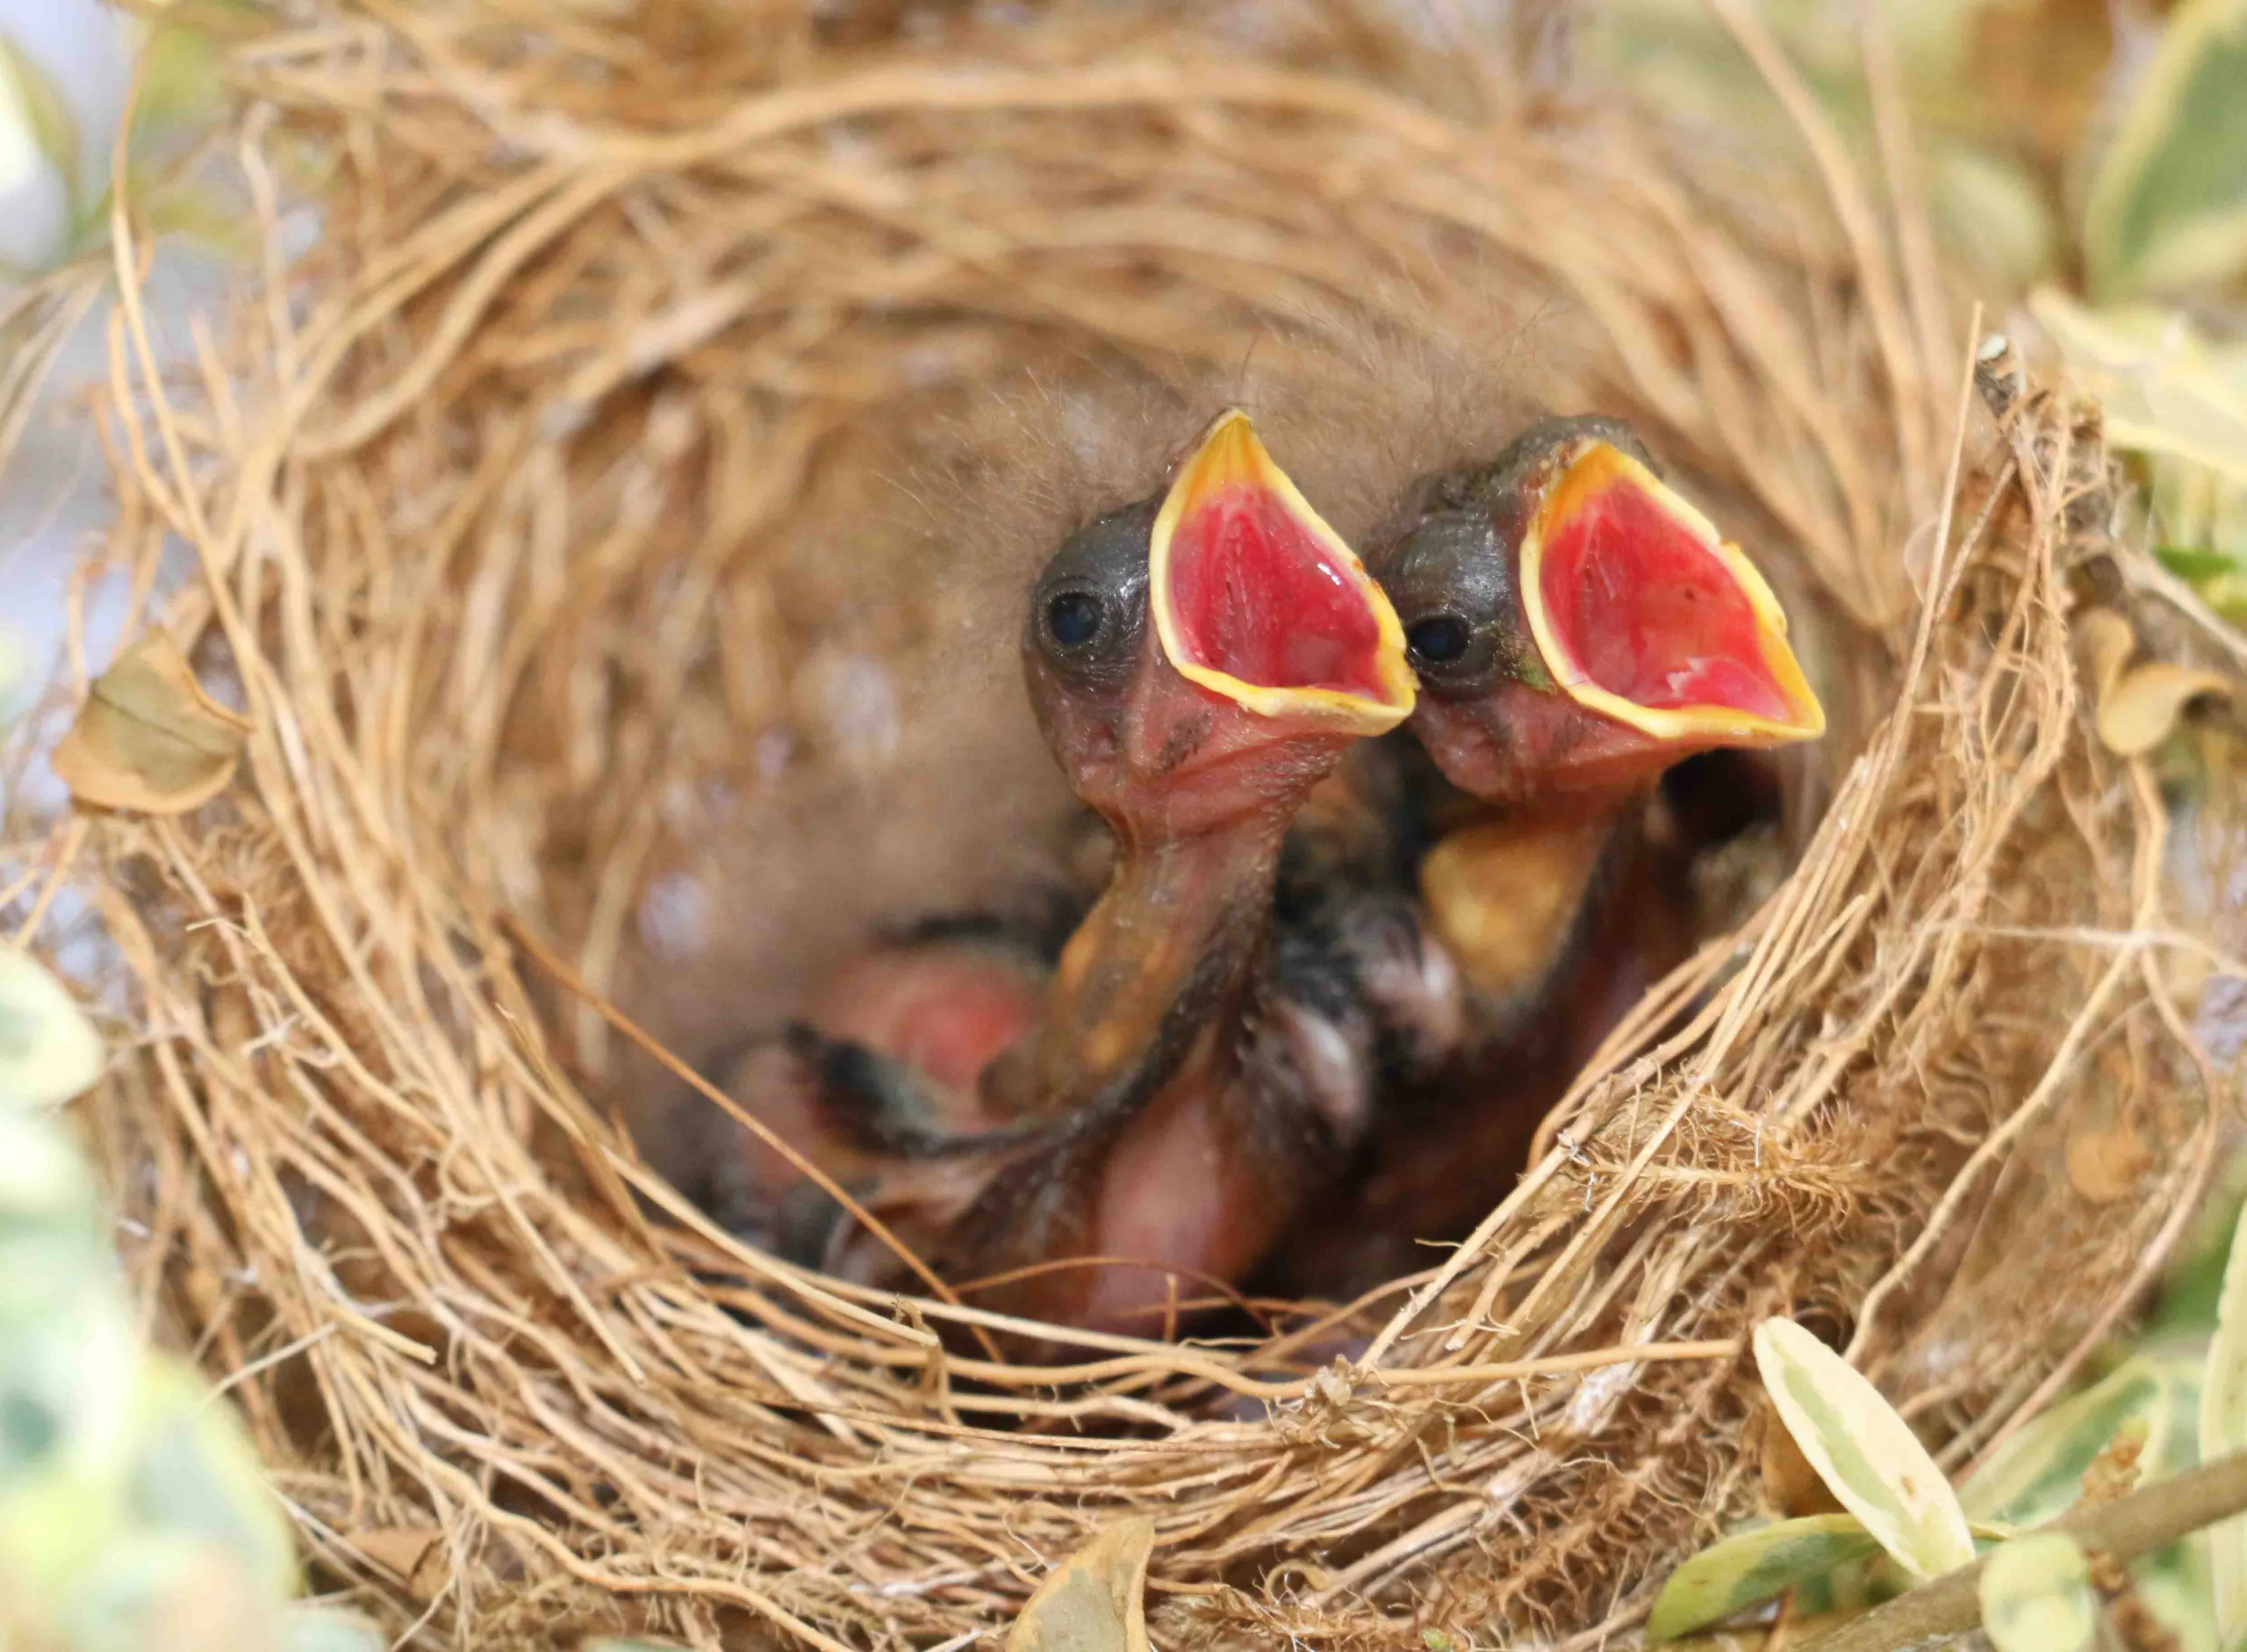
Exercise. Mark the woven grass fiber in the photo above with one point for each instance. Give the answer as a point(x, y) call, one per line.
point(607, 384)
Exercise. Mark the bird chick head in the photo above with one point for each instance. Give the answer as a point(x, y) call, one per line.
point(1577, 625)
point(1204, 656)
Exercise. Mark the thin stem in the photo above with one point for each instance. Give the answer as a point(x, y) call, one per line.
point(2150, 1518)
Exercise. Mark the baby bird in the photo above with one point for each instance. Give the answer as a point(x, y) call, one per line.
point(1577, 628)
point(1199, 662)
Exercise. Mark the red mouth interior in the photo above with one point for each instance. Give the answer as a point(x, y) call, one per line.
point(1648, 611)
point(1260, 598)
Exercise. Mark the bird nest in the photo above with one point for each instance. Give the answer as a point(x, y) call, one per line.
point(565, 460)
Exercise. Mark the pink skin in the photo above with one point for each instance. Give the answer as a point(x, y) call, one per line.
point(947, 1011)
point(1515, 743)
point(1642, 608)
point(1154, 1057)
point(944, 1009)
point(1200, 793)
point(1164, 1198)
point(1171, 760)
point(1194, 1190)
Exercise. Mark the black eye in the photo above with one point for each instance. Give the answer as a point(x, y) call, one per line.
point(1073, 618)
point(1438, 639)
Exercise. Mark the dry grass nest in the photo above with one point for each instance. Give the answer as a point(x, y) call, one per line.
point(573, 323)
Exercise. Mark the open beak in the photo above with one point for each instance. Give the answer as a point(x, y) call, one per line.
point(1642, 612)
point(1257, 600)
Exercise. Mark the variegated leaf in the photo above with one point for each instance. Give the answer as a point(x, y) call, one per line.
point(2168, 209)
point(2036, 1596)
point(1752, 1567)
point(1864, 1451)
point(49, 1051)
point(2223, 1428)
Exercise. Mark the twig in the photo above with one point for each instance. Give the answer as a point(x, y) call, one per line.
point(2150, 1518)
point(546, 959)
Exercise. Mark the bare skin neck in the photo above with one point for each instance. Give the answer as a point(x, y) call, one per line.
point(1170, 945)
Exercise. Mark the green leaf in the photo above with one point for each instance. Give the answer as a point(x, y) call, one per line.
point(2206, 510)
point(1991, 210)
point(2164, 390)
point(43, 110)
point(2223, 1428)
point(180, 73)
point(66, 1377)
point(165, 1592)
point(18, 148)
point(2169, 206)
point(198, 211)
point(2174, 1585)
point(2036, 1596)
point(44, 1188)
point(1753, 1567)
point(1867, 1455)
point(194, 1473)
point(49, 1051)
point(2179, 403)
point(2191, 563)
point(52, 1528)
point(59, 1394)
point(2039, 1472)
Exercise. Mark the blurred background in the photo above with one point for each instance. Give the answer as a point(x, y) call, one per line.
point(2084, 161)
point(51, 493)
point(66, 73)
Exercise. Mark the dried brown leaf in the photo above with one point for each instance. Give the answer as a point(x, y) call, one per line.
point(1791, 1485)
point(406, 1550)
point(2103, 1166)
point(148, 737)
point(1094, 1600)
point(2137, 707)
point(2108, 643)
point(2144, 706)
point(2115, 1471)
